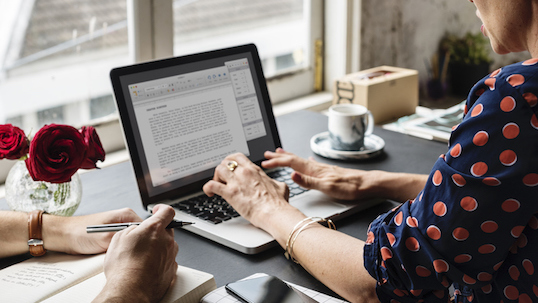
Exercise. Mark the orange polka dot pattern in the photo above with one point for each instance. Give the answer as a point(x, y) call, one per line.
point(474, 226)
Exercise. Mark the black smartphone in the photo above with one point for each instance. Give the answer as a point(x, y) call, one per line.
point(266, 289)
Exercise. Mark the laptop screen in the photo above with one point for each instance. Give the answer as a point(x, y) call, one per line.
point(182, 116)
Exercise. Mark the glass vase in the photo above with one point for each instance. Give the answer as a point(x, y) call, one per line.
point(25, 194)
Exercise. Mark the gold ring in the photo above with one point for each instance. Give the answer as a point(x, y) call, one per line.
point(232, 165)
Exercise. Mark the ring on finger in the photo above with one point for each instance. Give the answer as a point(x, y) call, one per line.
point(232, 165)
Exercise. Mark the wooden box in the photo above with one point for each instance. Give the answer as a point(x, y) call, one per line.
point(388, 92)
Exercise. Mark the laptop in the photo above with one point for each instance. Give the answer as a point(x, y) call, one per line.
point(182, 116)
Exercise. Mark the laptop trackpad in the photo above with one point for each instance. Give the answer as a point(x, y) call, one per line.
point(317, 204)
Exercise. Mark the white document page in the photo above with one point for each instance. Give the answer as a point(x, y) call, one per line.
point(190, 131)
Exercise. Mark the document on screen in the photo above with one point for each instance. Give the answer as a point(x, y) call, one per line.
point(189, 124)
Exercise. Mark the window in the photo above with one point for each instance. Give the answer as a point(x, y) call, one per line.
point(276, 27)
point(283, 30)
point(51, 115)
point(102, 107)
point(55, 55)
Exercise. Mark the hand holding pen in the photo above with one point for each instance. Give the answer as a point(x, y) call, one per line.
point(141, 260)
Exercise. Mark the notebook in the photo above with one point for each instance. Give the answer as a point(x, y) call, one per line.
point(182, 116)
point(58, 278)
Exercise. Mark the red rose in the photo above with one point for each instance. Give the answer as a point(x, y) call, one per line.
point(56, 153)
point(13, 142)
point(94, 151)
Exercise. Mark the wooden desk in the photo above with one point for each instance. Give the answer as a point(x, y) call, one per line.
point(115, 187)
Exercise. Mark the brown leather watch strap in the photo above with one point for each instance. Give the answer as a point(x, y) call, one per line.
point(35, 242)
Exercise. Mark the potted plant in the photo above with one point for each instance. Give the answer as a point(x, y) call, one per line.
point(469, 60)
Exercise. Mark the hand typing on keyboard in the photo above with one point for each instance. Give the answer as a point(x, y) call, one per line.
point(341, 183)
point(216, 210)
point(250, 191)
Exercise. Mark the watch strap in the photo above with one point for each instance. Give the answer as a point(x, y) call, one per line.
point(35, 234)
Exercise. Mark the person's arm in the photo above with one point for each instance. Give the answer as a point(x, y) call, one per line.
point(347, 184)
point(332, 257)
point(140, 262)
point(62, 234)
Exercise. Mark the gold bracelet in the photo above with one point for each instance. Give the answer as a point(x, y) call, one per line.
point(298, 228)
point(287, 253)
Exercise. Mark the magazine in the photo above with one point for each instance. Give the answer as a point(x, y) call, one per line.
point(430, 124)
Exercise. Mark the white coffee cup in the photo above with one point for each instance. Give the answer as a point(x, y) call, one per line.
point(349, 124)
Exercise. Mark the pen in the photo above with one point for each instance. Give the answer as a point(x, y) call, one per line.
point(120, 226)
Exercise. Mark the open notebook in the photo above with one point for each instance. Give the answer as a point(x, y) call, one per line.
point(182, 116)
point(59, 278)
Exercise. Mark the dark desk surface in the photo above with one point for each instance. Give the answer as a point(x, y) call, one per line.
point(115, 187)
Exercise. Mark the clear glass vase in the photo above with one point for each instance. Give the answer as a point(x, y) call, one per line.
point(25, 194)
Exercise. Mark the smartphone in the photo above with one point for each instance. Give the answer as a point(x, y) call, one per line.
point(266, 289)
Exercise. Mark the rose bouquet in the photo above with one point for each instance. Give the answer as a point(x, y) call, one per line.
point(55, 153)
point(51, 158)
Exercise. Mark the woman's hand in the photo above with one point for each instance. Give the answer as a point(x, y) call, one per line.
point(337, 182)
point(249, 190)
point(140, 262)
point(345, 183)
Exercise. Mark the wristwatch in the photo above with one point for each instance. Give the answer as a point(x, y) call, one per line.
point(35, 242)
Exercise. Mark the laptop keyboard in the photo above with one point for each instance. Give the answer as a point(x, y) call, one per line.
point(283, 174)
point(216, 210)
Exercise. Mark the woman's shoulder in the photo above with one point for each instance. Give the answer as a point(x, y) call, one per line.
point(512, 73)
point(518, 78)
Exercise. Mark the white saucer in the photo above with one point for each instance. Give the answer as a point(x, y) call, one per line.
point(373, 146)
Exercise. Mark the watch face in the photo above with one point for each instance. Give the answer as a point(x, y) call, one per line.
point(35, 242)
